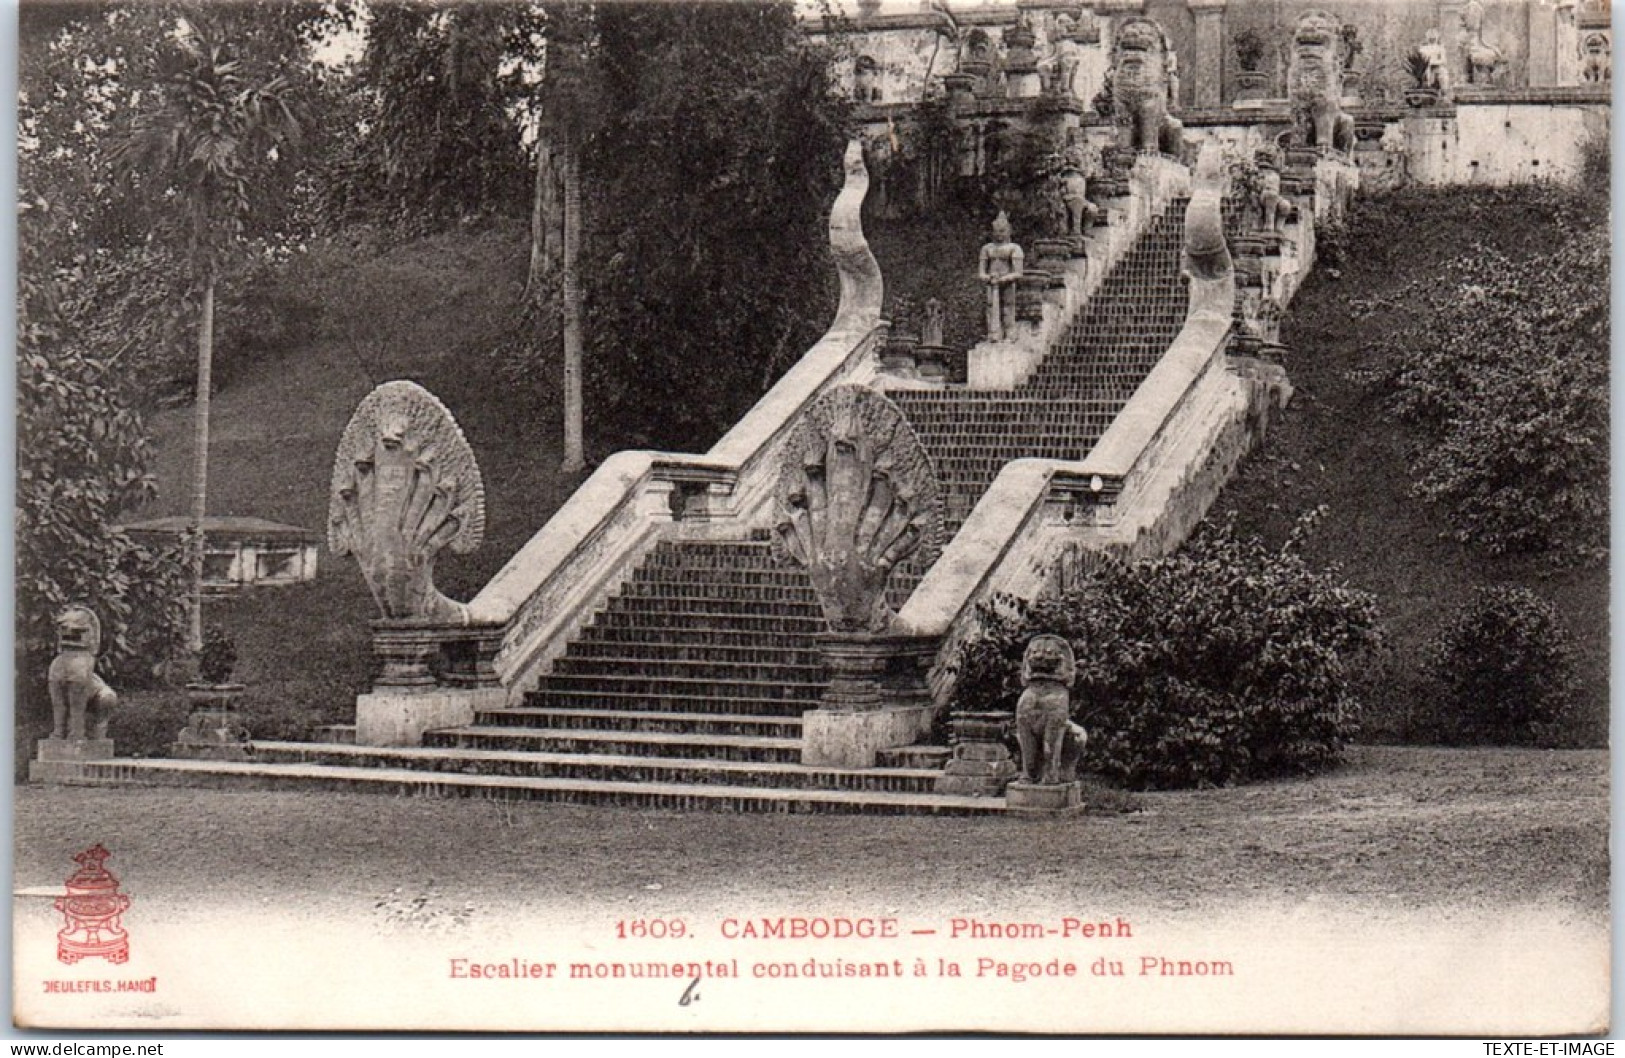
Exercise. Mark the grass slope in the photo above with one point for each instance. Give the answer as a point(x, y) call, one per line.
point(1334, 446)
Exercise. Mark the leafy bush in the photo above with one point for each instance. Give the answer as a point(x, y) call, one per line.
point(1227, 662)
point(219, 657)
point(1506, 665)
point(1502, 365)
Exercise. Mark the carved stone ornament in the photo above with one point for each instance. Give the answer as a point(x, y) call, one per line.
point(1140, 78)
point(405, 486)
point(855, 497)
point(81, 701)
point(1315, 83)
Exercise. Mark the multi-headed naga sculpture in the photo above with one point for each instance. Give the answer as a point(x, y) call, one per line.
point(856, 496)
point(405, 486)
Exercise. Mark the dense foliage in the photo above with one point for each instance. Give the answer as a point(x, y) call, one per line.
point(707, 191)
point(1505, 666)
point(1502, 366)
point(1224, 663)
point(81, 458)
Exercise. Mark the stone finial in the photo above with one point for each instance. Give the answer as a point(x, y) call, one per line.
point(1051, 744)
point(931, 329)
point(1315, 83)
point(855, 497)
point(81, 701)
point(405, 486)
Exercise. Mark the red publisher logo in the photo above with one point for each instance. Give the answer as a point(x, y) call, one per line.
point(92, 909)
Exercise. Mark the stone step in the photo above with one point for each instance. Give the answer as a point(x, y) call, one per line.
point(666, 703)
point(336, 734)
point(676, 687)
point(780, 577)
point(736, 642)
point(737, 622)
point(630, 649)
point(705, 605)
point(793, 776)
point(721, 590)
point(406, 781)
point(930, 758)
point(650, 668)
point(562, 718)
point(750, 748)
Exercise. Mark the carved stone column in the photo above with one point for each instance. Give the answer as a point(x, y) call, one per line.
point(1208, 76)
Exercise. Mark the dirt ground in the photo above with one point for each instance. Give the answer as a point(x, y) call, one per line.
point(1410, 891)
point(1409, 827)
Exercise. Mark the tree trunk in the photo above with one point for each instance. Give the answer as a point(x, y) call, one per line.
point(546, 223)
point(574, 458)
point(200, 460)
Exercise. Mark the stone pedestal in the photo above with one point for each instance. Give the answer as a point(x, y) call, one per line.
point(215, 730)
point(1034, 799)
point(931, 362)
point(400, 716)
point(877, 699)
point(62, 759)
point(982, 765)
point(832, 738)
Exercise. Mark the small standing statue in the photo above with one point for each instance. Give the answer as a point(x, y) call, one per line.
point(1270, 202)
point(931, 329)
point(81, 701)
point(1074, 179)
point(999, 267)
point(1051, 745)
point(1435, 75)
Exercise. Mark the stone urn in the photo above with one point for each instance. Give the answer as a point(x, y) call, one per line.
point(961, 88)
point(215, 729)
point(1251, 85)
point(1422, 97)
point(931, 361)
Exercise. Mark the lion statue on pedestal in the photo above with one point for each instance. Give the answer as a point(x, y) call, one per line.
point(1051, 744)
point(1315, 83)
point(1142, 65)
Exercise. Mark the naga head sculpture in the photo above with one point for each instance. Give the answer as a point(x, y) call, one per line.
point(855, 497)
point(405, 487)
point(1048, 658)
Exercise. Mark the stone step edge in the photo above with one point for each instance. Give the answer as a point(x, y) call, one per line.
point(636, 714)
point(97, 769)
point(674, 738)
point(509, 756)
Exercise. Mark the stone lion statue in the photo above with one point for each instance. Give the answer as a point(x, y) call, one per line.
point(1140, 77)
point(81, 701)
point(1315, 83)
point(1051, 745)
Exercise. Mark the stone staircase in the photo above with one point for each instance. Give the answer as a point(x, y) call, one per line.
point(687, 688)
point(1077, 390)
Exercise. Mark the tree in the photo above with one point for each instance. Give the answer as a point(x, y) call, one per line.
point(214, 126)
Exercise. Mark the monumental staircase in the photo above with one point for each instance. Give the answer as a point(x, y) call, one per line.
point(647, 648)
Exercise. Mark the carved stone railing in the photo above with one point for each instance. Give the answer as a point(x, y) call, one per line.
point(564, 573)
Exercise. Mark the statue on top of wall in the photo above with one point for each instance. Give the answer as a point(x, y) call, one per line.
point(1066, 54)
point(1596, 53)
point(999, 267)
point(865, 75)
point(1435, 73)
point(1484, 60)
point(1073, 176)
point(1315, 83)
point(1140, 88)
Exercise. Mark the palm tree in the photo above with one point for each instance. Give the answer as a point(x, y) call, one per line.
point(198, 148)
